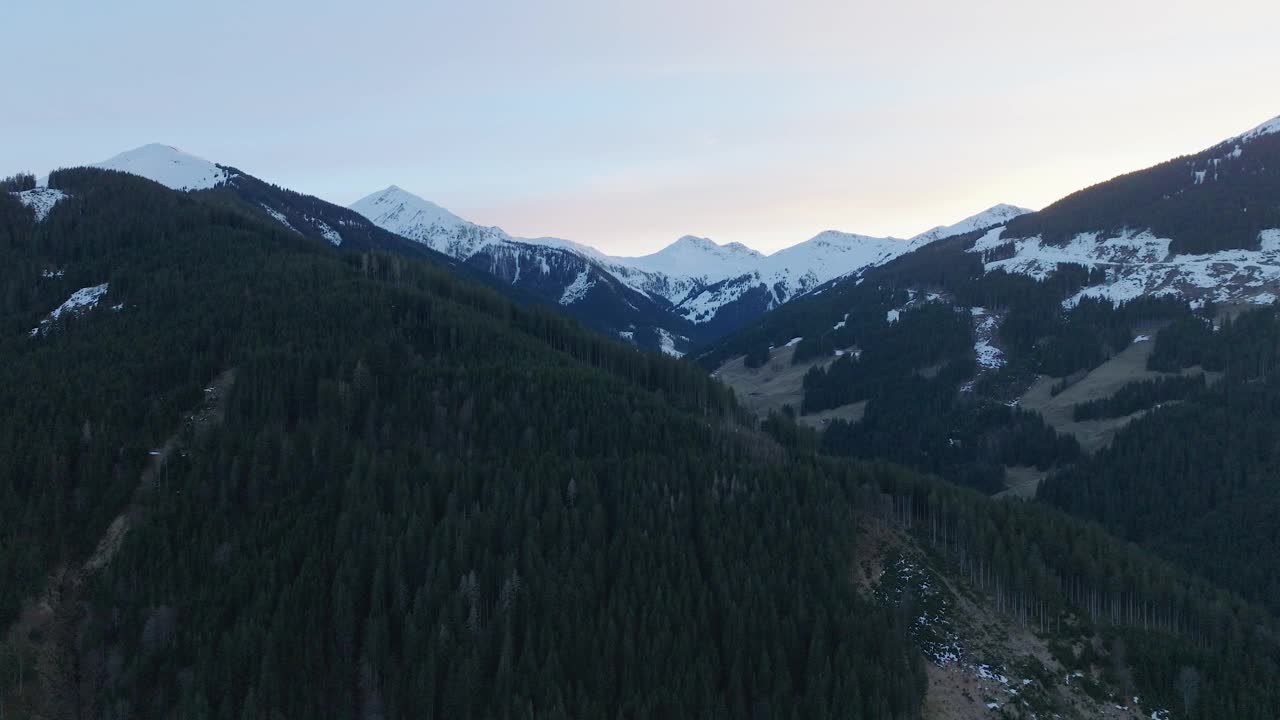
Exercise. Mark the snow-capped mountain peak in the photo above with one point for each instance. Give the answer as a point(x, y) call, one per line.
point(693, 256)
point(843, 240)
point(694, 241)
point(994, 215)
point(827, 255)
point(423, 221)
point(168, 166)
point(397, 207)
point(696, 276)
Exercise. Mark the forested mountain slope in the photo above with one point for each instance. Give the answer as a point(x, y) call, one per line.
point(938, 350)
point(304, 215)
point(1216, 199)
point(937, 347)
point(422, 500)
point(412, 498)
point(1176, 230)
point(1195, 479)
point(1204, 227)
point(687, 294)
point(973, 356)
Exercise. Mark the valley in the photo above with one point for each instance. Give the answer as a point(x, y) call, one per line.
point(1021, 466)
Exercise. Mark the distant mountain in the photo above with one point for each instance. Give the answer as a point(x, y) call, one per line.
point(696, 257)
point(703, 288)
point(1053, 292)
point(560, 276)
point(776, 279)
point(684, 267)
point(573, 277)
point(168, 166)
point(972, 320)
point(995, 215)
point(1200, 228)
point(305, 215)
point(686, 294)
point(423, 221)
point(808, 266)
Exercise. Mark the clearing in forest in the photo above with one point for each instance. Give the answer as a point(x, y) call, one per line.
point(777, 383)
point(1129, 365)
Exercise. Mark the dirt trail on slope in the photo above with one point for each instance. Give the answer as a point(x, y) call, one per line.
point(988, 681)
point(49, 629)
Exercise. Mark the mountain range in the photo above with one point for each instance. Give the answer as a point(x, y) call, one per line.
point(704, 287)
point(1201, 226)
point(267, 456)
point(686, 294)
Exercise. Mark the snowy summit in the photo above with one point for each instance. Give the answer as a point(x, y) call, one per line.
point(420, 220)
point(168, 166)
point(994, 215)
point(696, 275)
point(696, 256)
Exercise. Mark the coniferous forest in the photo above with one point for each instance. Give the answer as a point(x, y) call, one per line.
point(421, 500)
point(1210, 504)
point(268, 478)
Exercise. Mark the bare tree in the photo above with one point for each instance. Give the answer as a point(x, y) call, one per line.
point(1120, 665)
point(1189, 686)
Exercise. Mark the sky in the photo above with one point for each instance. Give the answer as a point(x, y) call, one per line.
point(625, 125)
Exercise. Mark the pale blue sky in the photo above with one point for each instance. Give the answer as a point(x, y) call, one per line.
point(625, 125)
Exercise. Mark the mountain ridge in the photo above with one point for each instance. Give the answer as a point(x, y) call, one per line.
point(685, 294)
point(708, 284)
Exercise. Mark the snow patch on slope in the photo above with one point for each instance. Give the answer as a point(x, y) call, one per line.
point(168, 166)
point(985, 326)
point(1037, 259)
point(992, 240)
point(578, 289)
point(1267, 128)
point(278, 216)
point(80, 300)
point(702, 306)
point(326, 231)
point(41, 200)
point(1138, 263)
point(667, 343)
